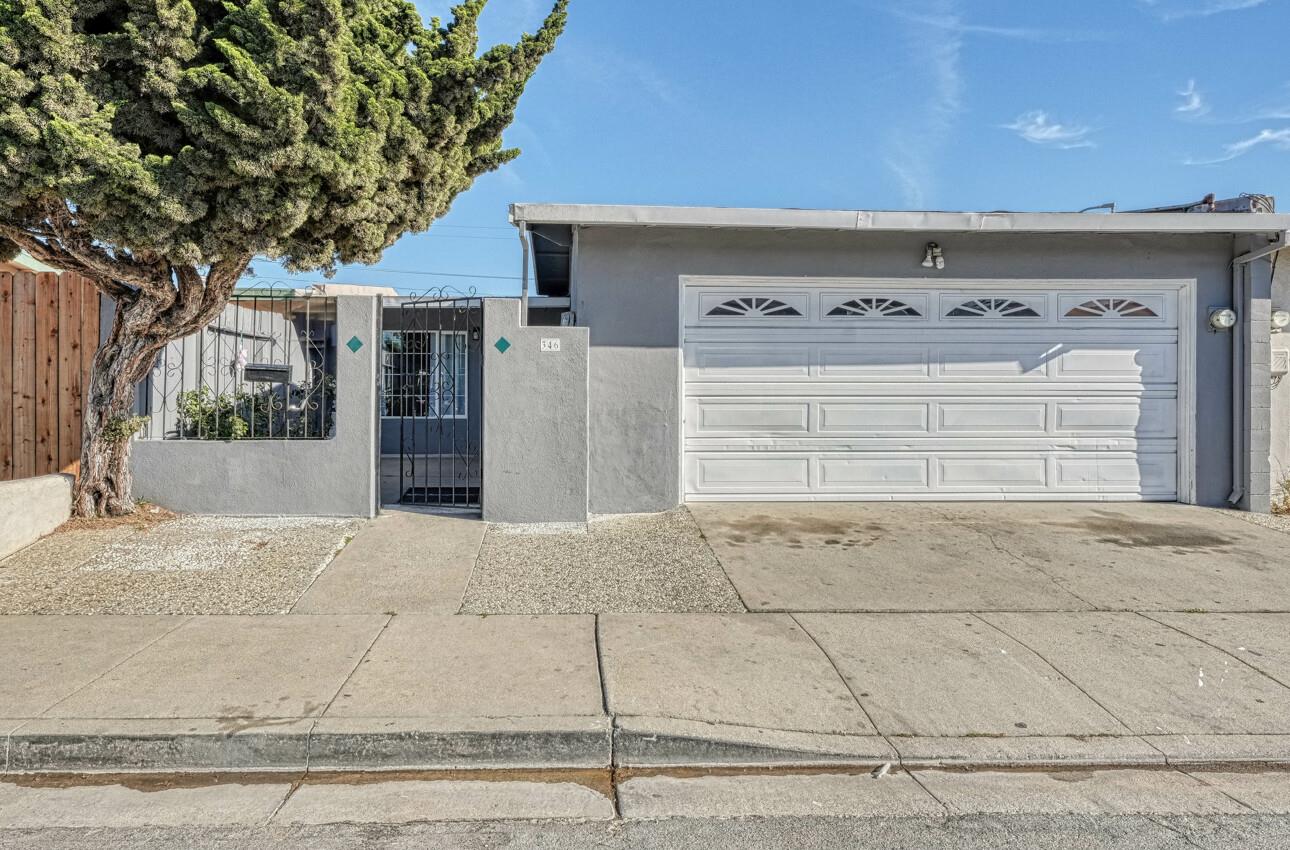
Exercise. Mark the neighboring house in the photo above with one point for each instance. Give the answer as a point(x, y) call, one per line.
point(671, 354)
point(830, 355)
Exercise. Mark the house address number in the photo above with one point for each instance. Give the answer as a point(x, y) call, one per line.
point(550, 344)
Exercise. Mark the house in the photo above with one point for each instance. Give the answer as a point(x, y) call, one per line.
point(663, 355)
point(854, 355)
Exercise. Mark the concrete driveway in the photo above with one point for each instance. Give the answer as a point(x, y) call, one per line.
point(923, 557)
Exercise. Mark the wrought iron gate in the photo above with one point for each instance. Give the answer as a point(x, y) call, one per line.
point(433, 387)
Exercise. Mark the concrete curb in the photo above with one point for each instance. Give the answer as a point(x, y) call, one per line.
point(596, 743)
point(526, 743)
point(164, 745)
point(307, 744)
point(666, 742)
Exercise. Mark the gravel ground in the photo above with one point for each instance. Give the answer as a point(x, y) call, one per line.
point(189, 565)
point(637, 564)
point(1277, 522)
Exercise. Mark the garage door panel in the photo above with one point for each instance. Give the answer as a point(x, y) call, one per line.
point(1145, 473)
point(976, 472)
point(992, 417)
point(1146, 417)
point(968, 362)
point(876, 417)
point(711, 417)
point(873, 474)
point(749, 362)
point(757, 473)
point(1146, 363)
point(872, 362)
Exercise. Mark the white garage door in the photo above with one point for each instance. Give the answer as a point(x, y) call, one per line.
point(965, 391)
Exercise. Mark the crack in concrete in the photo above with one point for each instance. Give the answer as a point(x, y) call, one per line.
point(1147, 616)
point(984, 531)
point(184, 620)
point(1059, 672)
point(845, 682)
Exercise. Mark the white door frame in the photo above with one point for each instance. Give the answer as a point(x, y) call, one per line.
point(1186, 367)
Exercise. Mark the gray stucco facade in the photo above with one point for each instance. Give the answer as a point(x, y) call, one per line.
point(625, 290)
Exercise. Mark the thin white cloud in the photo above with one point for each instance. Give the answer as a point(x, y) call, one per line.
point(1279, 139)
point(618, 75)
point(1193, 104)
point(1175, 10)
point(936, 93)
point(955, 24)
point(1038, 128)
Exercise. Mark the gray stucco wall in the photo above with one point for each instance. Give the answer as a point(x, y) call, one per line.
point(626, 292)
point(335, 477)
point(535, 420)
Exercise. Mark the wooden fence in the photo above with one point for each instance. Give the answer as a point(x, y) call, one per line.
point(49, 331)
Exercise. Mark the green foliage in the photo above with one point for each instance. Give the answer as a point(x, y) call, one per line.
point(282, 412)
point(203, 415)
point(173, 133)
point(121, 428)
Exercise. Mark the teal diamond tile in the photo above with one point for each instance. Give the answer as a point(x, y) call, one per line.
point(354, 344)
point(502, 344)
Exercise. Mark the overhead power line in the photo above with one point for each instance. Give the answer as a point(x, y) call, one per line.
point(380, 270)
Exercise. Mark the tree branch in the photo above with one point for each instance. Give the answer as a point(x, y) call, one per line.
point(153, 277)
point(52, 255)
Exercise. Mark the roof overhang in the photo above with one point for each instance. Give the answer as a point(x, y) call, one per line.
point(878, 221)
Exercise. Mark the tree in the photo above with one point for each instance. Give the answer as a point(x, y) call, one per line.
point(157, 146)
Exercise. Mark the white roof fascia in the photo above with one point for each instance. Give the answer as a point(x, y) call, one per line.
point(901, 222)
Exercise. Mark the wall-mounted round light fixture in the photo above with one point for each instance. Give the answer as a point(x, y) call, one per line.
point(1280, 320)
point(1222, 320)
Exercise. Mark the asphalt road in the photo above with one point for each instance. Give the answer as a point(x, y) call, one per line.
point(922, 810)
point(1028, 832)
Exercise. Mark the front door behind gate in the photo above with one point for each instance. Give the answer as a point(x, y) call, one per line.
point(434, 389)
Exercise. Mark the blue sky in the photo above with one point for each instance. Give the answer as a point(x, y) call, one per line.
point(919, 104)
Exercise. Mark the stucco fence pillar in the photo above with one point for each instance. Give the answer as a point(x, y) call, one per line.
point(332, 477)
point(535, 419)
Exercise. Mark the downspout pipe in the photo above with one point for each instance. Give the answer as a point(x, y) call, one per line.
point(524, 274)
point(1240, 359)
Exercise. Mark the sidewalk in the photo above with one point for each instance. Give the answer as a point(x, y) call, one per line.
point(641, 691)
